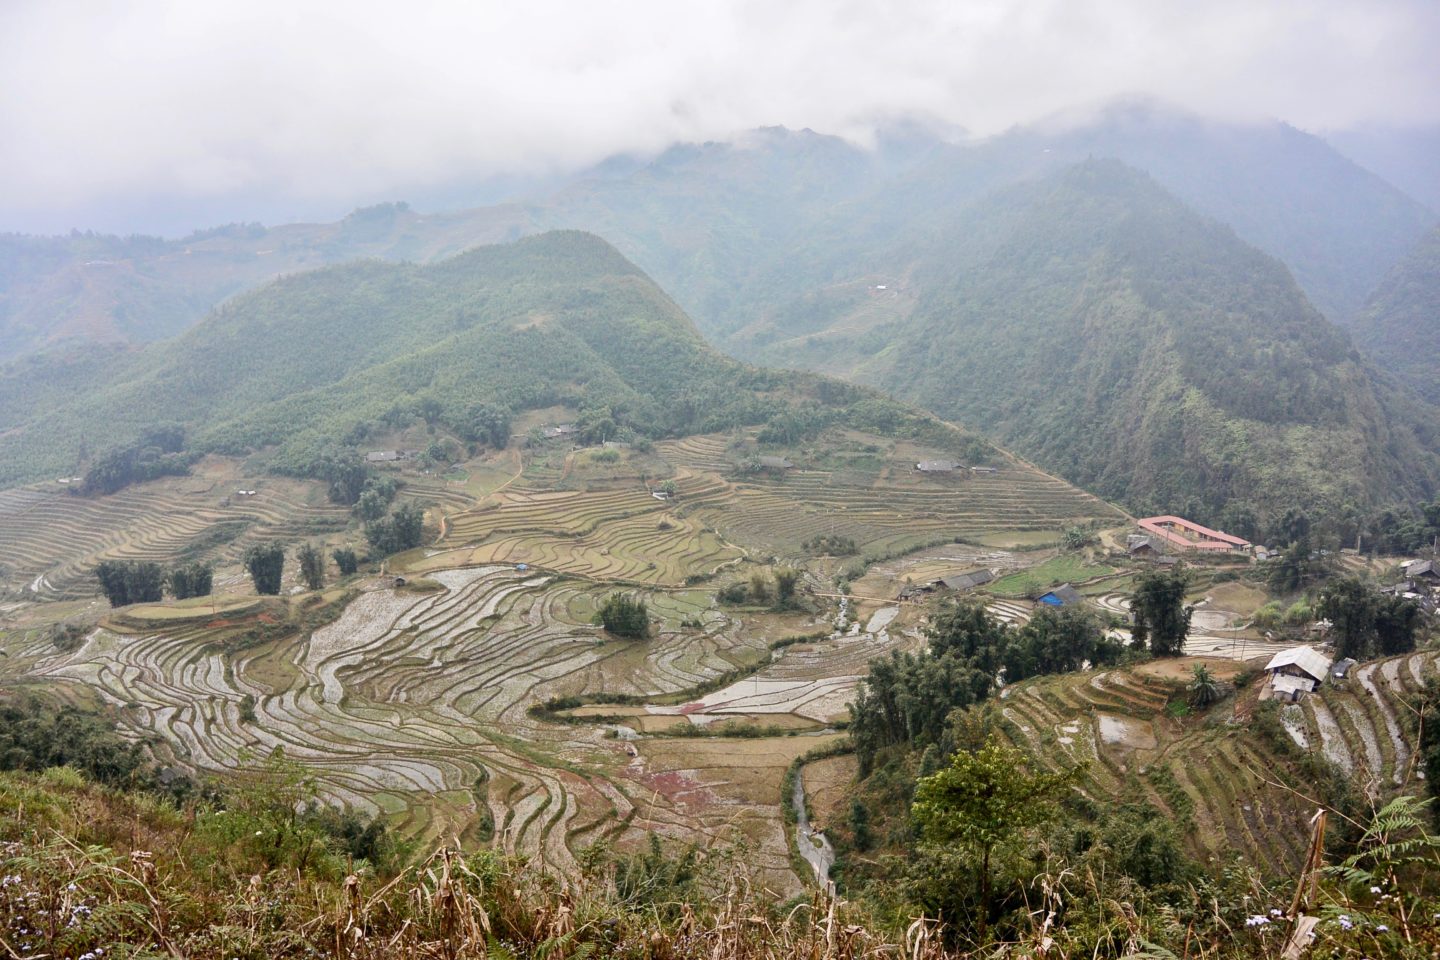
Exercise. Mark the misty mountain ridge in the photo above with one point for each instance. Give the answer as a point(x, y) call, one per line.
point(710, 220)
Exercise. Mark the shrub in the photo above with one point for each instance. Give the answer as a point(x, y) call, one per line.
point(624, 617)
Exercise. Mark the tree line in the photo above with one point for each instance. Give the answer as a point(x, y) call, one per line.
point(135, 581)
point(125, 582)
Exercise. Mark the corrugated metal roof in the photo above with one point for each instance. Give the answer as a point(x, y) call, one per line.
point(1308, 659)
point(1291, 685)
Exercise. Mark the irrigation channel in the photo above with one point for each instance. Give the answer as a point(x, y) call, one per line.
point(813, 845)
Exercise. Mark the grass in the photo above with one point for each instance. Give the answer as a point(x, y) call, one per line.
point(1064, 568)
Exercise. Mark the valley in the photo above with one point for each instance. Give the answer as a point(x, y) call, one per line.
point(464, 693)
point(416, 698)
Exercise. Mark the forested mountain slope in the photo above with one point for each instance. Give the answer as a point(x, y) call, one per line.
point(1400, 325)
point(323, 357)
point(1095, 323)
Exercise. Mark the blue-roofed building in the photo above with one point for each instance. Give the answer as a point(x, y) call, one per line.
point(1062, 596)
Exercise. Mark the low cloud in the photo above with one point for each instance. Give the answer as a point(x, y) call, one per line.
point(103, 106)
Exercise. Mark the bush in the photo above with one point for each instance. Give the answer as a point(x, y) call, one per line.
point(347, 560)
point(735, 592)
point(624, 617)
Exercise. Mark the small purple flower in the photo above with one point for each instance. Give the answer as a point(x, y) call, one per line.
point(1381, 928)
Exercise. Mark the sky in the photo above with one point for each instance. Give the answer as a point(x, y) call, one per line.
point(162, 116)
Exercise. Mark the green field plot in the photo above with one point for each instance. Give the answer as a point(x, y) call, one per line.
point(1066, 568)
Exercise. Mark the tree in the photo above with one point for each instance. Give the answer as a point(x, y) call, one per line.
point(1397, 620)
point(1427, 708)
point(129, 581)
point(312, 566)
point(1291, 529)
point(1203, 687)
point(191, 580)
point(624, 617)
point(785, 579)
point(1161, 616)
point(402, 530)
point(1350, 606)
point(111, 574)
point(595, 424)
point(985, 801)
point(343, 470)
point(860, 824)
point(759, 587)
point(347, 560)
point(265, 562)
point(486, 423)
point(144, 582)
point(371, 506)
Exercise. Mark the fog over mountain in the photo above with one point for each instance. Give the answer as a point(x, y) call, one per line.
point(166, 117)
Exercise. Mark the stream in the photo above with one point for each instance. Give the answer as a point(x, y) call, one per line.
point(814, 847)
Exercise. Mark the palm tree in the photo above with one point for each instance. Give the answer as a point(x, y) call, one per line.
point(1204, 688)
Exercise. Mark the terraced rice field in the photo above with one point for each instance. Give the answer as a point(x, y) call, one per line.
point(1213, 776)
point(418, 705)
point(894, 513)
point(409, 698)
point(51, 540)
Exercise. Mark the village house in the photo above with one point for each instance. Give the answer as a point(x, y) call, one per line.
point(969, 580)
point(1062, 596)
point(562, 430)
point(958, 582)
point(775, 463)
point(1422, 572)
point(1146, 548)
point(391, 456)
point(1296, 672)
point(937, 466)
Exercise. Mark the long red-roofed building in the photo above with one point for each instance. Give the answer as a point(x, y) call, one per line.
point(1179, 532)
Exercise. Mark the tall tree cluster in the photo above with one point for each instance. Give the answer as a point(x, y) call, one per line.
point(1365, 623)
point(312, 565)
point(130, 581)
point(404, 529)
point(1162, 619)
point(265, 562)
point(906, 698)
point(191, 580)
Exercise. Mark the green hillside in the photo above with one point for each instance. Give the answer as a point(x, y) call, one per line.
point(331, 355)
point(1399, 324)
point(1095, 323)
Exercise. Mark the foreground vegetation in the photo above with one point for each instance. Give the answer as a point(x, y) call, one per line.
point(93, 872)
